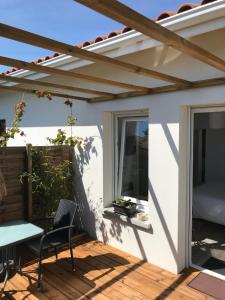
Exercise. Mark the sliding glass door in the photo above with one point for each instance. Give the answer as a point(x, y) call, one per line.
point(208, 190)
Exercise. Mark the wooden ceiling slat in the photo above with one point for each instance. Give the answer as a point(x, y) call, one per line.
point(34, 91)
point(161, 90)
point(52, 85)
point(129, 17)
point(43, 42)
point(49, 70)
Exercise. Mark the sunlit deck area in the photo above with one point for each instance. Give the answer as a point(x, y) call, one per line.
point(102, 272)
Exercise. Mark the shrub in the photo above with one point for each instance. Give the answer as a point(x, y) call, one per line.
point(50, 182)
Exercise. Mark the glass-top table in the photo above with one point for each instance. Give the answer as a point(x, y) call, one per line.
point(16, 232)
point(11, 234)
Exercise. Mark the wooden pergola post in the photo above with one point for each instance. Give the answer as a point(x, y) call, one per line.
point(29, 182)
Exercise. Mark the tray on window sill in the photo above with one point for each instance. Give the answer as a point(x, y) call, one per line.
point(110, 214)
point(122, 210)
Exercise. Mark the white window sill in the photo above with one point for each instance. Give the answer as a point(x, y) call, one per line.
point(109, 213)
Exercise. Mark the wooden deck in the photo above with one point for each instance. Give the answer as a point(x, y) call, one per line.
point(104, 273)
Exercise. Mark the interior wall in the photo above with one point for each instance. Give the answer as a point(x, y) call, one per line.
point(214, 149)
point(215, 155)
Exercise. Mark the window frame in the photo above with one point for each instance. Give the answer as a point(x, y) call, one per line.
point(128, 117)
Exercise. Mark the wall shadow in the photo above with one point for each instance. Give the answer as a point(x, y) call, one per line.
point(85, 219)
point(116, 228)
point(90, 216)
point(83, 155)
point(163, 222)
point(171, 142)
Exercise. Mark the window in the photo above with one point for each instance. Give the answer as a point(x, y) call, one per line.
point(132, 158)
point(2, 126)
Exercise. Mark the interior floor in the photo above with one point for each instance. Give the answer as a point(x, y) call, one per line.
point(208, 245)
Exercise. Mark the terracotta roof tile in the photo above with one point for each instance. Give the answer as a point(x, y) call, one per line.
point(126, 29)
point(79, 46)
point(186, 7)
point(99, 39)
point(207, 1)
point(114, 33)
point(163, 15)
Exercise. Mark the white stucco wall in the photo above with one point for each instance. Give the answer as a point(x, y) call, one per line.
point(165, 243)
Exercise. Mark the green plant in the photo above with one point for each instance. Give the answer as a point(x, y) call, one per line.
point(11, 132)
point(61, 136)
point(125, 203)
point(62, 139)
point(50, 183)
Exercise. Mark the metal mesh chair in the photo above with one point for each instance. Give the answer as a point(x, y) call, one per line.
point(63, 226)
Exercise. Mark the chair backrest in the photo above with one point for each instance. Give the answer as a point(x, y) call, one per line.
point(65, 213)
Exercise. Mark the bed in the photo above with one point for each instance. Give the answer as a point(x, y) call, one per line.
point(209, 202)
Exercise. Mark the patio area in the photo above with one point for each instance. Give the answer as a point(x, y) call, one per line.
point(113, 157)
point(102, 272)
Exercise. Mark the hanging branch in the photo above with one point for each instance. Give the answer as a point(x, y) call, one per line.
point(11, 132)
point(61, 136)
point(42, 93)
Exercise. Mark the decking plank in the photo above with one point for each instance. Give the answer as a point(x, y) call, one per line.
point(102, 273)
point(22, 289)
point(99, 277)
point(131, 279)
point(174, 282)
point(73, 285)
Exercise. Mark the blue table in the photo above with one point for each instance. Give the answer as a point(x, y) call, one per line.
point(12, 234)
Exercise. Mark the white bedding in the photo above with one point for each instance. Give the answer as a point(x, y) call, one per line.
point(209, 202)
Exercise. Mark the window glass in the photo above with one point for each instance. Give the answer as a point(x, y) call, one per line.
point(133, 164)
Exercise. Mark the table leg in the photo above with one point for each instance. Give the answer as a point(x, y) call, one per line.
point(30, 278)
point(5, 282)
point(11, 263)
point(8, 263)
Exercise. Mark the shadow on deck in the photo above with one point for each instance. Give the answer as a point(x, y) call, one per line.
point(102, 272)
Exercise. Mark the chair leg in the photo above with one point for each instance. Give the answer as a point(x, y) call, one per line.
point(19, 265)
point(39, 281)
point(56, 253)
point(72, 259)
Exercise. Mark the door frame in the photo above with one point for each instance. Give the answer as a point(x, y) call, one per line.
point(192, 112)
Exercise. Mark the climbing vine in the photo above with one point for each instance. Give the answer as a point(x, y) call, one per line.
point(11, 132)
point(50, 182)
point(61, 136)
point(42, 94)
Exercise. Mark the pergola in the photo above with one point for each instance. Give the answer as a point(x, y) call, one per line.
point(123, 14)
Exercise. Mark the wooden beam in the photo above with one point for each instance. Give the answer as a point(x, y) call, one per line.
point(125, 15)
point(48, 70)
point(53, 85)
point(163, 89)
point(47, 43)
point(34, 91)
point(209, 82)
point(29, 191)
point(195, 85)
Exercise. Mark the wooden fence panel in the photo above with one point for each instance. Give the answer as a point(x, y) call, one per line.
point(12, 165)
point(14, 161)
